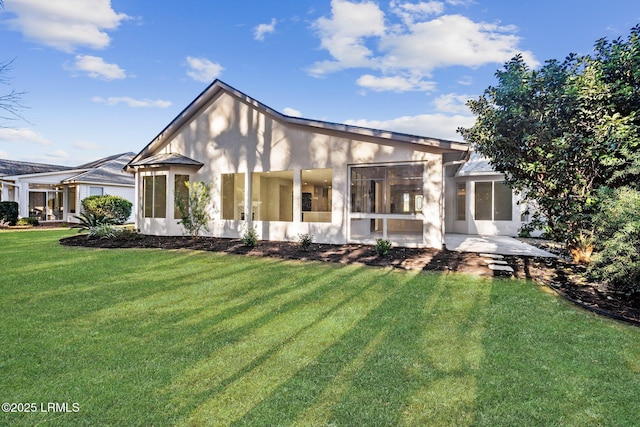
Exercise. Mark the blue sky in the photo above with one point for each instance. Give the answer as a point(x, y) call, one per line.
point(103, 77)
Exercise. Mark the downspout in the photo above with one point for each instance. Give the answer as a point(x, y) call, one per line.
point(443, 194)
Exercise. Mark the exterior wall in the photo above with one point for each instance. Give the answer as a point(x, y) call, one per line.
point(231, 136)
point(471, 225)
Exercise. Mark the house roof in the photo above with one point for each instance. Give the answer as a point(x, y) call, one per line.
point(218, 87)
point(109, 170)
point(167, 159)
point(476, 165)
point(14, 167)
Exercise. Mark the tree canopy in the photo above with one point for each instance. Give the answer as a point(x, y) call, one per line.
point(561, 132)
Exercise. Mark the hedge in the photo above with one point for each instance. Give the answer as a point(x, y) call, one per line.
point(9, 212)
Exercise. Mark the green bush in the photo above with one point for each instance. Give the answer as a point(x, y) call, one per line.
point(9, 212)
point(305, 240)
point(88, 221)
point(383, 246)
point(250, 237)
point(29, 221)
point(114, 206)
point(194, 208)
point(617, 230)
point(104, 231)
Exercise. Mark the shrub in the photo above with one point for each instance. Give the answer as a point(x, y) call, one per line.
point(617, 262)
point(194, 208)
point(305, 240)
point(114, 206)
point(250, 237)
point(29, 221)
point(104, 231)
point(383, 246)
point(9, 212)
point(87, 221)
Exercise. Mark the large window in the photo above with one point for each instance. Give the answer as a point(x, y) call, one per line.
point(155, 196)
point(272, 196)
point(180, 194)
point(233, 196)
point(387, 189)
point(493, 201)
point(316, 195)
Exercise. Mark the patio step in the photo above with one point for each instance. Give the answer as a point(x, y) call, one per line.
point(499, 267)
point(492, 256)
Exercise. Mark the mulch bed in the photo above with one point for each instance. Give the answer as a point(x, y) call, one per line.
point(564, 277)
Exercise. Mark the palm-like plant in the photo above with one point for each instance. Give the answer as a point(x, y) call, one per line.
point(88, 221)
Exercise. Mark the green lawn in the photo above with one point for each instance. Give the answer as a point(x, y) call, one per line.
point(151, 337)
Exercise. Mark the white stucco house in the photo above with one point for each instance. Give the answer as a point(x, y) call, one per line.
point(54, 192)
point(286, 175)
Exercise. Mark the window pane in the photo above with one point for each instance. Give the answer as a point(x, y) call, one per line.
point(387, 189)
point(461, 200)
point(147, 183)
point(96, 191)
point(180, 194)
point(483, 201)
point(160, 196)
point(502, 202)
point(402, 195)
point(272, 196)
point(316, 195)
point(405, 171)
point(233, 196)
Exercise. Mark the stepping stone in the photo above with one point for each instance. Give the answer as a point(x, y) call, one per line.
point(495, 261)
point(495, 267)
point(494, 256)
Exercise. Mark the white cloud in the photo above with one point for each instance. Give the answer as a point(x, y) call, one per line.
point(132, 102)
point(96, 68)
point(58, 154)
point(292, 112)
point(22, 135)
point(85, 145)
point(395, 83)
point(465, 81)
point(263, 29)
point(453, 103)
point(361, 35)
point(203, 70)
point(410, 12)
point(65, 24)
point(4, 155)
point(440, 126)
point(343, 35)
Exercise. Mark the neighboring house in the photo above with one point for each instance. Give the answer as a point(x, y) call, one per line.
point(54, 193)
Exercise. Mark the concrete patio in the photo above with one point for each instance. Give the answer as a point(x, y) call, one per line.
point(499, 245)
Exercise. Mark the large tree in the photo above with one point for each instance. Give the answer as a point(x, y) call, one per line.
point(561, 132)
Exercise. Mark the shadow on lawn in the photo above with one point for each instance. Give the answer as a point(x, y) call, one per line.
point(382, 353)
